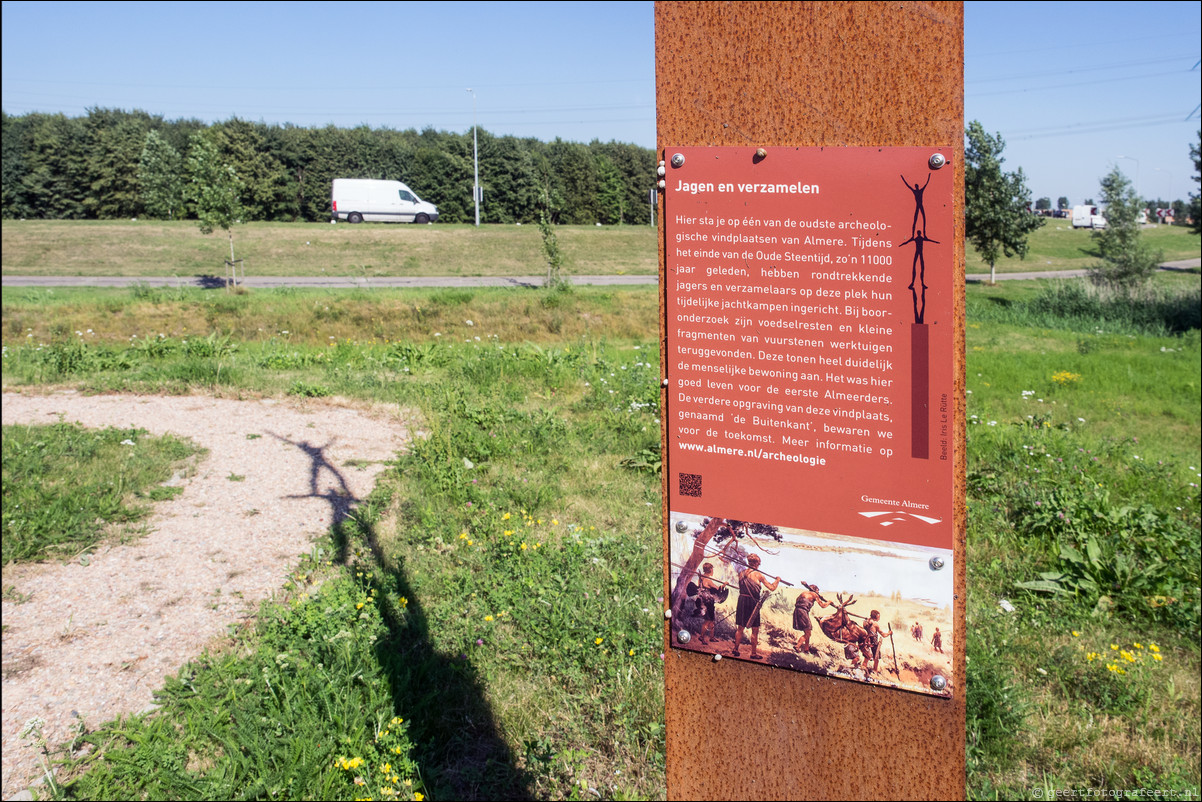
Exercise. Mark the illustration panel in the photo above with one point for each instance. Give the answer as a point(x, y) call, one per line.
point(848, 607)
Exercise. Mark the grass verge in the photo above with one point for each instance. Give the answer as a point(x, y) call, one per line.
point(161, 248)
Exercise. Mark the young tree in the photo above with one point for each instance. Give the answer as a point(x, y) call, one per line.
point(1127, 262)
point(1062, 203)
point(997, 217)
point(1044, 204)
point(1195, 199)
point(556, 280)
point(214, 188)
point(160, 177)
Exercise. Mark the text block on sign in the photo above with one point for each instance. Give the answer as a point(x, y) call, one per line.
point(809, 348)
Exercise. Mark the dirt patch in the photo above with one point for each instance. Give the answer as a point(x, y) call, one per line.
point(96, 640)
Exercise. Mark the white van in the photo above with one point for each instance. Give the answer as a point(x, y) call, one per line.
point(359, 199)
point(1087, 217)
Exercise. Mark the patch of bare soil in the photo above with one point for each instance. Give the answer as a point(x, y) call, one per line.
point(94, 641)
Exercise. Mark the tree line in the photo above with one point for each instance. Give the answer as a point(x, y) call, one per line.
point(111, 164)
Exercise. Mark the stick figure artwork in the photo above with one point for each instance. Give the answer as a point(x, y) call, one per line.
point(918, 208)
point(918, 270)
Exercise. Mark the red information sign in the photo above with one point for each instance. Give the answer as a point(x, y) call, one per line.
point(809, 302)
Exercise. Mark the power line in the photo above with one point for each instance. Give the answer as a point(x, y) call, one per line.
point(1077, 83)
point(1091, 68)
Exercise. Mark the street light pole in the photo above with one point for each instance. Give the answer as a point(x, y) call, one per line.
point(475, 160)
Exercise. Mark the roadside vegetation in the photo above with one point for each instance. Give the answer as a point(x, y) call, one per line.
point(488, 624)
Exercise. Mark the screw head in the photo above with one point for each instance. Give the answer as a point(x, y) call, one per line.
point(938, 683)
point(677, 159)
point(661, 170)
point(936, 161)
point(662, 183)
point(717, 657)
point(681, 527)
point(664, 383)
point(683, 636)
point(760, 153)
point(937, 563)
point(667, 614)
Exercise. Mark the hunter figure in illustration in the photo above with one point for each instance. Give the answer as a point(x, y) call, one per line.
point(747, 614)
point(801, 615)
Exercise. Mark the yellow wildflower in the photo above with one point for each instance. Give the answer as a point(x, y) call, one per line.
point(598, 641)
point(488, 618)
point(631, 652)
point(505, 517)
point(1154, 647)
point(359, 606)
point(1076, 634)
point(1138, 645)
point(554, 522)
point(508, 533)
point(523, 546)
point(417, 796)
point(1157, 658)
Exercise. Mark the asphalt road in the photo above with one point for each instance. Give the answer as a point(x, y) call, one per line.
point(252, 282)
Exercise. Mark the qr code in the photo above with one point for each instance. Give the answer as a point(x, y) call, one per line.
point(690, 484)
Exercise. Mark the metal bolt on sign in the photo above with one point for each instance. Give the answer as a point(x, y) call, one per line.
point(936, 563)
point(683, 636)
point(678, 160)
point(682, 527)
point(936, 161)
point(938, 683)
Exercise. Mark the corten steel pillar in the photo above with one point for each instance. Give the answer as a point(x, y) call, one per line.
point(828, 74)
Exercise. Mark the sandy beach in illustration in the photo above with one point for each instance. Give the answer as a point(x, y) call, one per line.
point(895, 579)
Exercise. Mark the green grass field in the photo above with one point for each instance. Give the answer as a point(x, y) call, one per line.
point(1058, 246)
point(158, 248)
point(488, 624)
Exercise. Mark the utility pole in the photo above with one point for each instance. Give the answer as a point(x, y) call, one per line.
point(475, 159)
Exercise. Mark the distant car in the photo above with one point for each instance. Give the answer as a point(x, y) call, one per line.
point(1087, 217)
point(356, 200)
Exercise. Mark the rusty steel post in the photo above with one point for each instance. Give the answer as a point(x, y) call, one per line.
point(830, 74)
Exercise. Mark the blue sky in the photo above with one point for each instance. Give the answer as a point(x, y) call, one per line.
point(1071, 86)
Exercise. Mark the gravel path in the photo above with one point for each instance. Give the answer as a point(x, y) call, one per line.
point(96, 641)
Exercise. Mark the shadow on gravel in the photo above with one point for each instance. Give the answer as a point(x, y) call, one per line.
point(458, 750)
point(340, 497)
